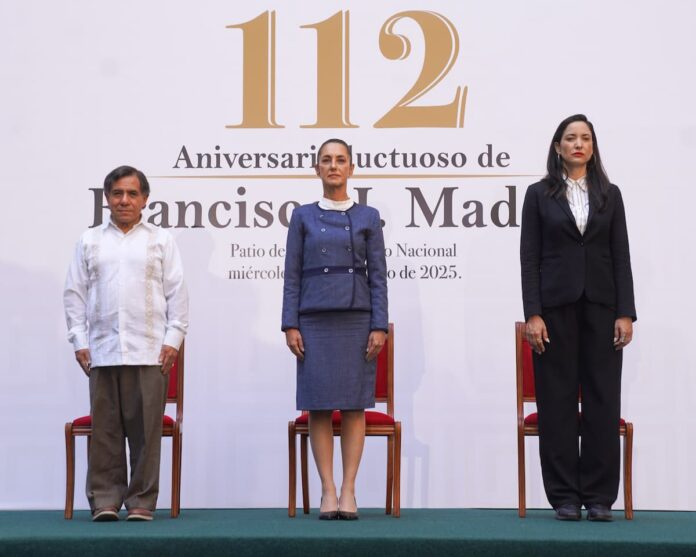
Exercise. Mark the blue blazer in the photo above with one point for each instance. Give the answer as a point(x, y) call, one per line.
point(335, 261)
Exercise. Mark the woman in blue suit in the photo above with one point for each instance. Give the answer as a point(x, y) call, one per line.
point(335, 319)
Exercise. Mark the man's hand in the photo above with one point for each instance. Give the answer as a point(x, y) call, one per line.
point(293, 339)
point(167, 358)
point(84, 359)
point(374, 344)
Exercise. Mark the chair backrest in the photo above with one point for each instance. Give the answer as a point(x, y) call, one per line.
point(384, 381)
point(525, 365)
point(525, 372)
point(175, 390)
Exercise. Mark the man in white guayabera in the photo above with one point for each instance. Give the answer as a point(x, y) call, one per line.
point(126, 306)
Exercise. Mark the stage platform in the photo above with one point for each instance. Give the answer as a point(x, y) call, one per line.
point(418, 533)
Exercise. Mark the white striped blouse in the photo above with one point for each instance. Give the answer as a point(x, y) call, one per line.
point(579, 201)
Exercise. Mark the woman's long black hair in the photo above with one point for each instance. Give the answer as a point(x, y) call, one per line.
point(597, 179)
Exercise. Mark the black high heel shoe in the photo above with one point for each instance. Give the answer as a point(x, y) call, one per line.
point(328, 515)
point(349, 515)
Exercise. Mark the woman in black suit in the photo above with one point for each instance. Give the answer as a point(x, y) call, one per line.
point(577, 290)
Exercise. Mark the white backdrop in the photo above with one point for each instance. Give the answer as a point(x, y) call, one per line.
point(87, 86)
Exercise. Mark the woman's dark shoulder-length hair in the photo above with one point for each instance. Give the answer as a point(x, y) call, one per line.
point(597, 179)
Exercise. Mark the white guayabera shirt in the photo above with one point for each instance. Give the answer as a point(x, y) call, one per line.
point(125, 295)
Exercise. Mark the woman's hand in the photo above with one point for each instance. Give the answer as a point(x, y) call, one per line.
point(536, 334)
point(623, 332)
point(374, 344)
point(293, 339)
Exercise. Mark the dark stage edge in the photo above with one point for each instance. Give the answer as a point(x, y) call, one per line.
point(419, 532)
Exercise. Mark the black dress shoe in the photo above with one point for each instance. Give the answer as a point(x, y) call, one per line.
point(568, 512)
point(599, 513)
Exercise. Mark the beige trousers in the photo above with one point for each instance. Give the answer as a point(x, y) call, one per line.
point(126, 402)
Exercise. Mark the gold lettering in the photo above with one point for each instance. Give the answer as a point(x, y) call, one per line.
point(258, 94)
point(333, 71)
point(441, 51)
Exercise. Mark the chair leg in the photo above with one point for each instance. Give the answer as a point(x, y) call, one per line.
point(69, 471)
point(172, 512)
point(397, 470)
point(390, 473)
point(178, 476)
point(176, 471)
point(292, 471)
point(521, 479)
point(628, 472)
point(305, 473)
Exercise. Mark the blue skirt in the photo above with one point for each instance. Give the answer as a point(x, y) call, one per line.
point(334, 374)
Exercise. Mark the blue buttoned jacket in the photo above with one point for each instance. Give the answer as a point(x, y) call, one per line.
point(335, 261)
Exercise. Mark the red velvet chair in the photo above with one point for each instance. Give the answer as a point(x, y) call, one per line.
point(376, 424)
point(528, 425)
point(171, 427)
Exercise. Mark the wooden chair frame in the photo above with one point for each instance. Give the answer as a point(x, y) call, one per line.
point(528, 430)
point(392, 432)
point(173, 430)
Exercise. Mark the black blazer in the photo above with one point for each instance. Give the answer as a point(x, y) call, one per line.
point(559, 264)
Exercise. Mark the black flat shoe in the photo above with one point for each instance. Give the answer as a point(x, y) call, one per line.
point(599, 513)
point(568, 512)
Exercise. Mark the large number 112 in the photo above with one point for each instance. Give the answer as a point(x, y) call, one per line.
point(333, 48)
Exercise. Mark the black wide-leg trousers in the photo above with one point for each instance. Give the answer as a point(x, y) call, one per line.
point(579, 358)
